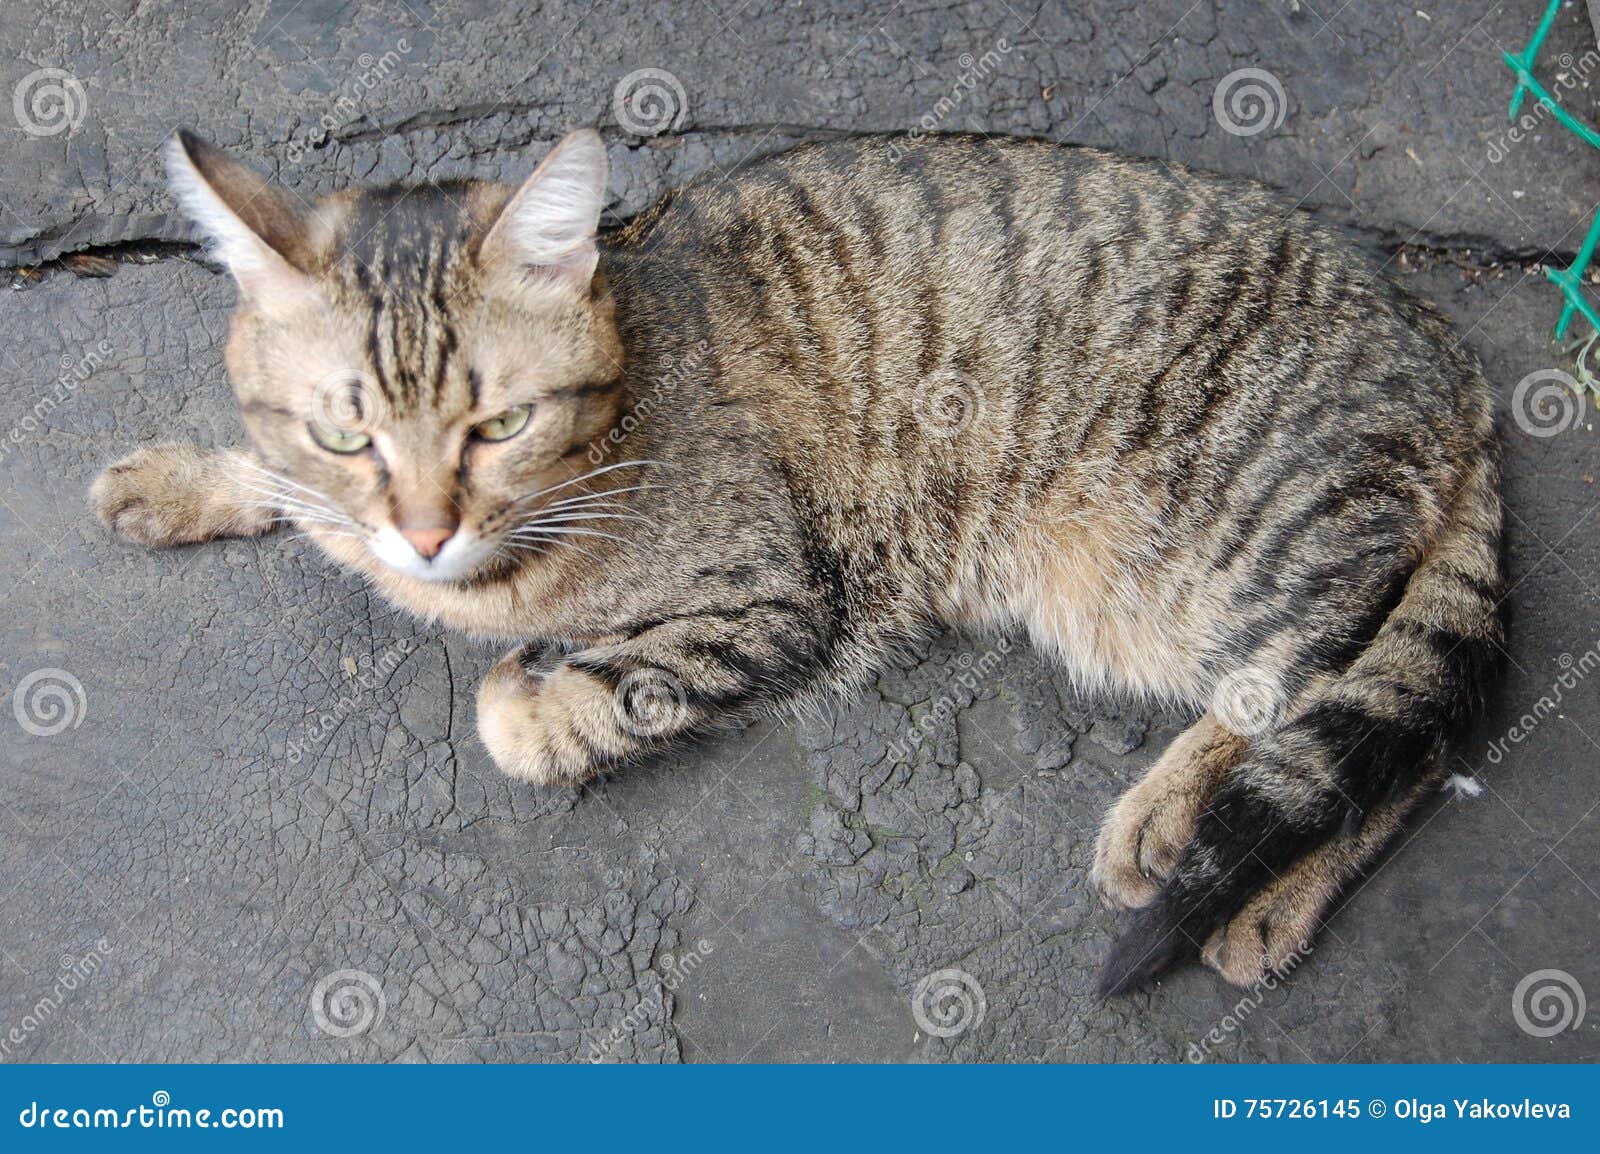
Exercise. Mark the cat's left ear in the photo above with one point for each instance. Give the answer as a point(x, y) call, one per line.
point(550, 222)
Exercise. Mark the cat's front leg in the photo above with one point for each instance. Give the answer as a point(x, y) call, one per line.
point(179, 494)
point(563, 723)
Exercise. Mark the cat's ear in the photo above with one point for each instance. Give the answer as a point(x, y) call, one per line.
point(255, 228)
point(550, 222)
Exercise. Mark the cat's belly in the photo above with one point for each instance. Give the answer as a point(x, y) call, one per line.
point(1096, 596)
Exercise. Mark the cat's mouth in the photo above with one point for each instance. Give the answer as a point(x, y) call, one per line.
point(458, 558)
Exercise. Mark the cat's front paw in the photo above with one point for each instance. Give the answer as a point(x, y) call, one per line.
point(542, 729)
point(172, 495)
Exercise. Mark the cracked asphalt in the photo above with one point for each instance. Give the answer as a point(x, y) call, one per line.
point(243, 814)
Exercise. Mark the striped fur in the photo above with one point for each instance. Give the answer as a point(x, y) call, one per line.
point(1188, 439)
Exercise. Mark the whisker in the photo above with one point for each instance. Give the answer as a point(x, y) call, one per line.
point(285, 500)
point(541, 545)
point(600, 496)
point(291, 506)
point(540, 514)
point(282, 480)
point(562, 531)
point(324, 532)
point(311, 518)
point(583, 502)
point(303, 519)
point(592, 473)
point(586, 516)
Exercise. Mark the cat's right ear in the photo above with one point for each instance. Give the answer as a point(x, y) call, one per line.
point(254, 227)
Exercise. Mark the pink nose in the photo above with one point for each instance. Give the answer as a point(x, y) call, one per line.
point(427, 542)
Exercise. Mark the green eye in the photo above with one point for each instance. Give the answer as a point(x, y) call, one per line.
point(503, 427)
point(340, 440)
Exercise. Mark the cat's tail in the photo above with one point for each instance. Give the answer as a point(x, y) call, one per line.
point(1364, 739)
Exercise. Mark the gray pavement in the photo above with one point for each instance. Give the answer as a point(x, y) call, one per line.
point(265, 829)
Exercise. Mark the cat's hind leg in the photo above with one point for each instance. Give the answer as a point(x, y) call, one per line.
point(1274, 930)
point(1143, 837)
point(179, 494)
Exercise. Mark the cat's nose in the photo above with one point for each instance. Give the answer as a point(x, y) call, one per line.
point(427, 542)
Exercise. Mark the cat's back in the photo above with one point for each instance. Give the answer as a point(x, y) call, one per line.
point(951, 213)
point(1082, 300)
point(948, 246)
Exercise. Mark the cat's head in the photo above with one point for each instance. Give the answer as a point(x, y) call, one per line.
point(415, 364)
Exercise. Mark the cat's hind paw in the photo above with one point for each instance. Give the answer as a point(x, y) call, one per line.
point(1144, 836)
point(1271, 935)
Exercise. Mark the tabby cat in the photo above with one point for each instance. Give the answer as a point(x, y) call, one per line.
point(718, 462)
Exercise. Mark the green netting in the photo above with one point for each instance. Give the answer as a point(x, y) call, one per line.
point(1568, 280)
